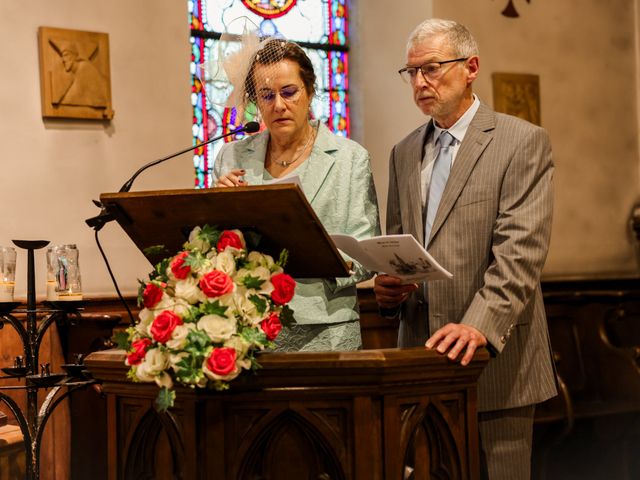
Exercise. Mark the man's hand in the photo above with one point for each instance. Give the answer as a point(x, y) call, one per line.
point(390, 292)
point(455, 337)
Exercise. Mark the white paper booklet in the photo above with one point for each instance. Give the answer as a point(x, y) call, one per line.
point(288, 179)
point(398, 255)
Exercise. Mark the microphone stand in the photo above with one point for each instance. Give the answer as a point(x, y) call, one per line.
point(105, 216)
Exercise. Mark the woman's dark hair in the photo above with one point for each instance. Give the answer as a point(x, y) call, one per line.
point(275, 51)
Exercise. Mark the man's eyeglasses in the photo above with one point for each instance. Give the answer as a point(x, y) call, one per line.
point(290, 93)
point(430, 71)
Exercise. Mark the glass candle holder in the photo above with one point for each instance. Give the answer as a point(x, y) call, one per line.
point(63, 273)
point(7, 273)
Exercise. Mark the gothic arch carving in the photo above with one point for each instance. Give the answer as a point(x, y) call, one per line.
point(290, 447)
point(152, 431)
point(431, 438)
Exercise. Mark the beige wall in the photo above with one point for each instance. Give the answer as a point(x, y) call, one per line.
point(52, 169)
point(584, 52)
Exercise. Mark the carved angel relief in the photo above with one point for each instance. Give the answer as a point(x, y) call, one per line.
point(74, 74)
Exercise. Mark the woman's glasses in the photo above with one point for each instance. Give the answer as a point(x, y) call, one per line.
point(290, 94)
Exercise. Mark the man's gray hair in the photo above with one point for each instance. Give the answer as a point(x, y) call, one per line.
point(457, 36)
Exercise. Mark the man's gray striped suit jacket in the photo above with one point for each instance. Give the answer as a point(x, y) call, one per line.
point(492, 232)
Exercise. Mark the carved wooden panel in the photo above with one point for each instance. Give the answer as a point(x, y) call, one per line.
point(369, 415)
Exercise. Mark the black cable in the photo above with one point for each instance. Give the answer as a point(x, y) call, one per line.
point(113, 279)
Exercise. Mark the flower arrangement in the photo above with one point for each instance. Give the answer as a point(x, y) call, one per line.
point(206, 312)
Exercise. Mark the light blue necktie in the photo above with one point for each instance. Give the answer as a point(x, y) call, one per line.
point(439, 176)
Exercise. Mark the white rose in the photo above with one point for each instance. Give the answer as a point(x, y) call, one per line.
point(154, 363)
point(146, 317)
point(276, 269)
point(257, 259)
point(164, 380)
point(218, 328)
point(179, 336)
point(175, 358)
point(196, 242)
point(181, 308)
point(247, 309)
point(226, 262)
point(208, 266)
point(189, 290)
point(205, 267)
point(165, 303)
point(240, 345)
point(266, 288)
point(262, 273)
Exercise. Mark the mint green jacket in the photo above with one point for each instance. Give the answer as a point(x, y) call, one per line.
point(338, 183)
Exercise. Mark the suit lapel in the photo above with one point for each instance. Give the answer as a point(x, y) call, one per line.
point(314, 171)
point(252, 157)
point(409, 173)
point(478, 136)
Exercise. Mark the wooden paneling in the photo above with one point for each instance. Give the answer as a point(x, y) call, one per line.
point(367, 415)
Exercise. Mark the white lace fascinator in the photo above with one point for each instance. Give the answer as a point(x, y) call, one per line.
point(230, 78)
point(244, 62)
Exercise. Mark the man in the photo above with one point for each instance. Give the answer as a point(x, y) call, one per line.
point(475, 186)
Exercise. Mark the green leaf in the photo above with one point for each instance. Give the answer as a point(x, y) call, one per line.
point(252, 282)
point(209, 234)
point(192, 315)
point(213, 308)
point(221, 386)
point(259, 302)
point(160, 271)
point(254, 362)
point(142, 285)
point(131, 375)
point(195, 259)
point(198, 341)
point(255, 336)
point(121, 339)
point(165, 399)
point(286, 316)
point(284, 258)
point(155, 250)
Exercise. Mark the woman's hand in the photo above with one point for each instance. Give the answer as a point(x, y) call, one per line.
point(232, 179)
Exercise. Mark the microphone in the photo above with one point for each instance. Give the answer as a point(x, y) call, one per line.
point(249, 127)
point(105, 216)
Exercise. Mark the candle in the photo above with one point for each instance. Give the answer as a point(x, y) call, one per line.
point(6, 291)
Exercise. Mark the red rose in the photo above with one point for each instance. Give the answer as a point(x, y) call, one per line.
point(222, 361)
point(283, 288)
point(139, 347)
point(216, 283)
point(229, 239)
point(164, 325)
point(271, 326)
point(151, 295)
point(179, 269)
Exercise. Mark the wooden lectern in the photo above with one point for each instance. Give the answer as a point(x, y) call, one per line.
point(368, 415)
point(280, 214)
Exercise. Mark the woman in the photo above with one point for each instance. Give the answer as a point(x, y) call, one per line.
point(336, 178)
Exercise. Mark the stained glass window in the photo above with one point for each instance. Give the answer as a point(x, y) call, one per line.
point(319, 26)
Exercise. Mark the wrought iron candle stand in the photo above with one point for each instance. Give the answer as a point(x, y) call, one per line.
point(32, 424)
